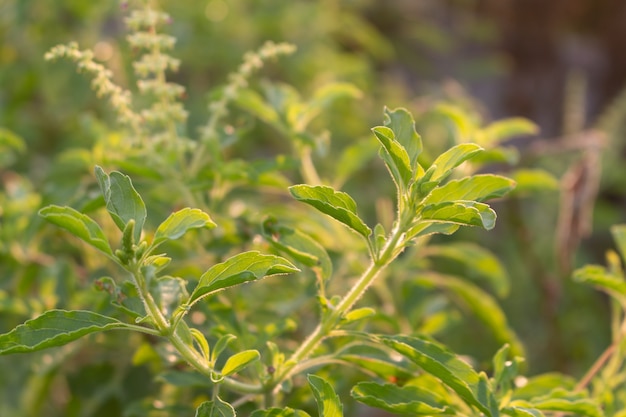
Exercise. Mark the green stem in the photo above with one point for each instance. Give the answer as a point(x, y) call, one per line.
point(389, 253)
point(185, 350)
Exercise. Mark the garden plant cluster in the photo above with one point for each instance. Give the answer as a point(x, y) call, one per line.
point(253, 265)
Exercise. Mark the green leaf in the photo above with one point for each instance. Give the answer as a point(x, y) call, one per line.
point(539, 385)
point(253, 102)
point(298, 245)
point(395, 156)
point(478, 263)
point(279, 412)
point(580, 406)
point(619, 235)
point(78, 224)
point(427, 228)
point(239, 361)
point(375, 359)
point(447, 367)
point(482, 305)
point(328, 403)
point(401, 122)
point(122, 200)
point(401, 400)
point(502, 130)
point(178, 223)
point(518, 411)
point(475, 188)
point(336, 204)
point(221, 345)
point(598, 276)
point(452, 158)
point(244, 267)
point(466, 213)
point(533, 180)
point(217, 408)
point(55, 328)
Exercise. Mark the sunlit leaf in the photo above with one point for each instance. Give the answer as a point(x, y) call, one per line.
point(452, 158)
point(78, 224)
point(395, 156)
point(475, 188)
point(178, 223)
point(122, 200)
point(336, 204)
point(401, 122)
point(466, 213)
point(239, 361)
point(401, 400)
point(328, 402)
point(244, 267)
point(55, 328)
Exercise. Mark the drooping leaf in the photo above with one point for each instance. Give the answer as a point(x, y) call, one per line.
point(448, 368)
point(239, 361)
point(478, 263)
point(279, 412)
point(395, 156)
point(78, 224)
point(217, 408)
point(243, 267)
point(178, 223)
point(466, 213)
point(336, 204)
point(122, 200)
point(409, 400)
point(401, 122)
point(328, 403)
point(55, 328)
point(452, 158)
point(299, 245)
point(482, 305)
point(475, 188)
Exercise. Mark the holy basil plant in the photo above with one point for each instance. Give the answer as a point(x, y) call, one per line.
point(408, 374)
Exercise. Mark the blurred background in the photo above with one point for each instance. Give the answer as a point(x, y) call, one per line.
point(559, 63)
